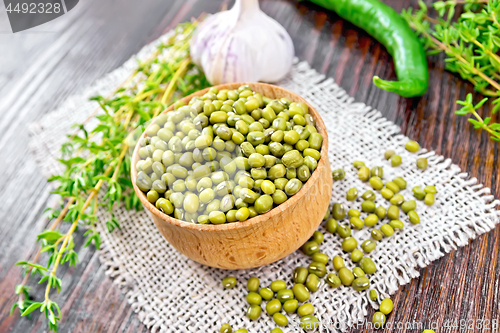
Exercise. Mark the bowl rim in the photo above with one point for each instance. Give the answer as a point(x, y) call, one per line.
point(252, 222)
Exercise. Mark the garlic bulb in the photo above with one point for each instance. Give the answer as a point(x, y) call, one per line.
point(242, 44)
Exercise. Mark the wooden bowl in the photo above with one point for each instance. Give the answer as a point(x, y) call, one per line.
point(260, 240)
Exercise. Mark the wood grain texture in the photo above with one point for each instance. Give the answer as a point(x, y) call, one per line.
point(265, 238)
point(41, 67)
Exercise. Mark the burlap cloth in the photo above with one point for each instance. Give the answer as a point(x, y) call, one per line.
point(171, 293)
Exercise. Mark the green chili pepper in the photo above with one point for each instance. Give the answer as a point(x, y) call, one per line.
point(389, 28)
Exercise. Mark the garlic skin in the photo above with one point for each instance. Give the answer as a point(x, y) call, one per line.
point(242, 44)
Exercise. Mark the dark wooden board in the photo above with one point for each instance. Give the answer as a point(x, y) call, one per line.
point(41, 67)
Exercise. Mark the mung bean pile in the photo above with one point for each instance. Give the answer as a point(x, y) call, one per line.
point(306, 280)
point(227, 156)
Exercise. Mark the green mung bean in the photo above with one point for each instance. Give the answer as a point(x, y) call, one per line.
point(338, 263)
point(358, 272)
point(386, 193)
point(397, 224)
point(358, 164)
point(280, 319)
point(367, 265)
point(378, 320)
point(320, 257)
point(331, 225)
point(386, 306)
point(253, 312)
point(364, 173)
point(284, 295)
point(376, 183)
point(266, 294)
point(353, 213)
point(397, 200)
point(253, 284)
point(357, 223)
point(396, 160)
point(310, 247)
point(348, 245)
point(387, 230)
point(368, 245)
point(338, 211)
point(422, 163)
point(368, 206)
point(391, 185)
point(388, 154)
point(418, 193)
point(400, 182)
point(430, 189)
point(254, 298)
point(333, 280)
point(291, 306)
point(305, 309)
point(356, 255)
point(376, 234)
point(318, 237)
point(369, 195)
point(393, 212)
point(301, 293)
point(273, 307)
point(429, 199)
point(413, 217)
point(381, 212)
point(229, 282)
point(338, 174)
point(352, 194)
point(319, 268)
point(226, 328)
point(312, 282)
point(278, 285)
point(346, 276)
point(300, 275)
point(309, 323)
point(343, 231)
point(361, 283)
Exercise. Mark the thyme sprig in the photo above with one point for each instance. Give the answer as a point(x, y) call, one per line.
point(471, 45)
point(97, 163)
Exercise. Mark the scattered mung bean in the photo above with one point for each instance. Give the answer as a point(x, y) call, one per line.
point(388, 154)
point(413, 217)
point(253, 284)
point(300, 275)
point(429, 199)
point(312, 282)
point(396, 160)
point(333, 280)
point(352, 194)
point(226, 328)
point(229, 282)
point(368, 245)
point(348, 245)
point(412, 146)
point(386, 306)
point(422, 163)
point(301, 293)
point(378, 320)
point(356, 255)
point(418, 193)
point(377, 234)
point(387, 230)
